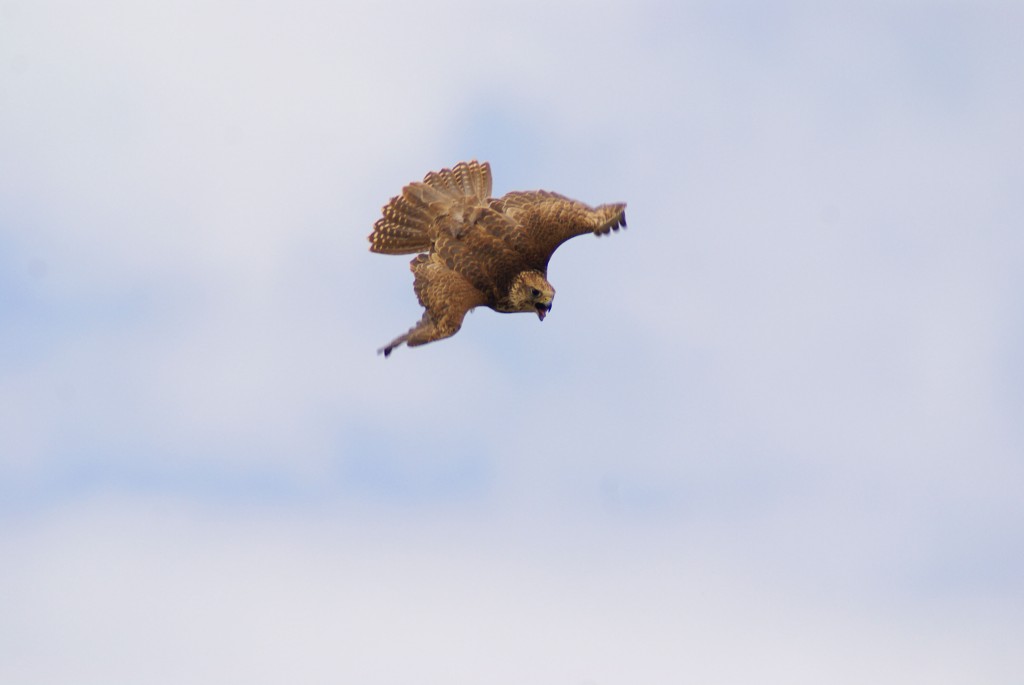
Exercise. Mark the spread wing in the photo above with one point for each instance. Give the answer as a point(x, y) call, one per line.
point(545, 220)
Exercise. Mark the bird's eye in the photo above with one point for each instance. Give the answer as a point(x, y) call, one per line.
point(535, 292)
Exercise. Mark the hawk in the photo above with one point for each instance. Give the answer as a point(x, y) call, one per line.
point(478, 250)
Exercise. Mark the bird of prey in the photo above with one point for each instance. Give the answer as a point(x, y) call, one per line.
point(477, 250)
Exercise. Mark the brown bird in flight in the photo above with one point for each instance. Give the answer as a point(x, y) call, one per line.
point(478, 250)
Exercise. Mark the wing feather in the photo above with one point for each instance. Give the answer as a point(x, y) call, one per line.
point(485, 255)
point(546, 220)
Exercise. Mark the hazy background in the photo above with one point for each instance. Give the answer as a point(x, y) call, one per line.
point(771, 433)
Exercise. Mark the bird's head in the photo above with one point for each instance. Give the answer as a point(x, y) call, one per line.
point(531, 292)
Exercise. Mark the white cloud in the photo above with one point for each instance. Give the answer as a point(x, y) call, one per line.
point(166, 595)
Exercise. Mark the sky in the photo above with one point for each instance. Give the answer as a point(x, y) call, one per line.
point(770, 433)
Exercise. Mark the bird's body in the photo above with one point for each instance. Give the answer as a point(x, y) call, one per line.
point(477, 250)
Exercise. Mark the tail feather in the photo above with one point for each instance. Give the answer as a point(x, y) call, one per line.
point(423, 195)
point(465, 178)
point(475, 179)
point(408, 220)
point(439, 182)
point(402, 229)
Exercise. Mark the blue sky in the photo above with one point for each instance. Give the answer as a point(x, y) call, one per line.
point(770, 433)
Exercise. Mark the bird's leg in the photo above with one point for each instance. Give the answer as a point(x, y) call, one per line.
point(427, 330)
point(386, 350)
point(404, 337)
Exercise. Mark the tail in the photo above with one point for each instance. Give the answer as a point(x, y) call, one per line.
point(408, 222)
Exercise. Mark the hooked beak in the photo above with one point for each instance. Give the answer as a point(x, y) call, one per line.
point(542, 310)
